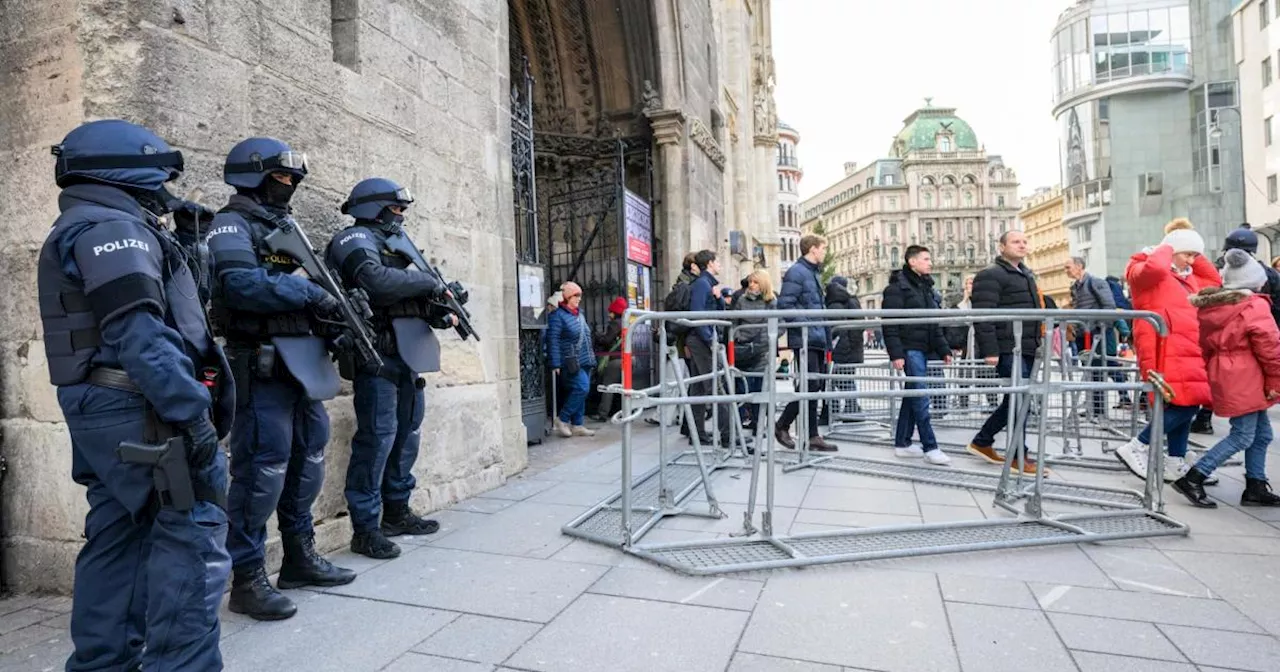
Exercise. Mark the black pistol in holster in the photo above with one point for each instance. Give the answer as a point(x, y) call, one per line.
point(400, 244)
point(291, 240)
point(172, 475)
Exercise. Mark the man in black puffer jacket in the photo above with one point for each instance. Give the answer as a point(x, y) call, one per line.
point(910, 347)
point(1006, 284)
point(849, 343)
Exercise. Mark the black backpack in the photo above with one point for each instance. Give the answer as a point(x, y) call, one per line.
point(677, 300)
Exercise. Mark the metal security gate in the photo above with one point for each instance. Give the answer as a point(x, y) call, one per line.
point(530, 268)
point(598, 231)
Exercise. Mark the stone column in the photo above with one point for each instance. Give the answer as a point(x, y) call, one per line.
point(672, 213)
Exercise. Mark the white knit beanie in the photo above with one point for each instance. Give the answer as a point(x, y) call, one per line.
point(1180, 234)
point(1243, 271)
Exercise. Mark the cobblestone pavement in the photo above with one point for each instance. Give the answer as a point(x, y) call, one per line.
point(500, 588)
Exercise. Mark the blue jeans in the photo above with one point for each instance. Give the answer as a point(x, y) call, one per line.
point(575, 403)
point(145, 575)
point(1177, 428)
point(389, 410)
point(1250, 433)
point(914, 413)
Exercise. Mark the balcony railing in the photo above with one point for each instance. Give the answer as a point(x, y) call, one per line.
point(788, 162)
point(1086, 195)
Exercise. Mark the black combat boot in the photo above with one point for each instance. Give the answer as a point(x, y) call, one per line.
point(303, 566)
point(398, 519)
point(374, 544)
point(1203, 423)
point(1192, 487)
point(1257, 492)
point(253, 596)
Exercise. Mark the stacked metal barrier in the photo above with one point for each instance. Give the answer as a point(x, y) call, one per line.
point(1042, 407)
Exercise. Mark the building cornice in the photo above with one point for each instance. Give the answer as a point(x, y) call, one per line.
point(667, 125)
point(1161, 82)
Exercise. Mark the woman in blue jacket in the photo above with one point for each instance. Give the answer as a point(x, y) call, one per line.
point(571, 356)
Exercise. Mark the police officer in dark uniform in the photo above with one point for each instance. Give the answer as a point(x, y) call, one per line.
point(389, 402)
point(131, 353)
point(267, 310)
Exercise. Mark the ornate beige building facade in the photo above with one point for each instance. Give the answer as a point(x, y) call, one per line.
point(939, 188)
point(789, 175)
point(1041, 218)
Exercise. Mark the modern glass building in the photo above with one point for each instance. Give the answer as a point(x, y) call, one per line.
point(1144, 94)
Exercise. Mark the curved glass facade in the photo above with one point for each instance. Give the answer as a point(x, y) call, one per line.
point(1121, 39)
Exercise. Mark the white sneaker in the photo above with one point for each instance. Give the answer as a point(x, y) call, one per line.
point(1134, 456)
point(1174, 468)
point(936, 456)
point(909, 451)
point(579, 430)
point(559, 427)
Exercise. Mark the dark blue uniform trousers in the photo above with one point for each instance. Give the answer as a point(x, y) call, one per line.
point(144, 576)
point(388, 418)
point(277, 464)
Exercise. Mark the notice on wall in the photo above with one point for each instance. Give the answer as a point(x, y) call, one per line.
point(639, 228)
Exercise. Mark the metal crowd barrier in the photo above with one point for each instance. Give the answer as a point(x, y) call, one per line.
point(862, 394)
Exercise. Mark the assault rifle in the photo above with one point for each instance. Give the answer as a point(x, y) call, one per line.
point(289, 239)
point(400, 243)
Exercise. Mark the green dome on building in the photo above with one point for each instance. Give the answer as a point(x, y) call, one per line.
point(921, 129)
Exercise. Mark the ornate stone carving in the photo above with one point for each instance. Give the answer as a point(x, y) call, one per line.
point(766, 117)
point(703, 138)
point(667, 125)
point(652, 100)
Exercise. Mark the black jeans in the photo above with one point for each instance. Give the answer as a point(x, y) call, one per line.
point(995, 424)
point(816, 364)
point(699, 364)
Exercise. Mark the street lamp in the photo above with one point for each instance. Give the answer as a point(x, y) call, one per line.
point(1215, 134)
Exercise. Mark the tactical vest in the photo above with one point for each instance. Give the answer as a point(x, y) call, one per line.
point(72, 339)
point(241, 326)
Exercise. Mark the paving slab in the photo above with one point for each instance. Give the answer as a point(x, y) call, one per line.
point(1149, 607)
point(1102, 662)
point(835, 479)
point(1107, 635)
point(526, 529)
point(1251, 583)
point(479, 639)
point(783, 516)
point(478, 583)
point(22, 618)
point(788, 489)
point(852, 518)
point(618, 634)
point(936, 494)
point(1065, 564)
point(876, 619)
point(483, 505)
point(575, 494)
point(1233, 545)
point(937, 513)
point(1232, 650)
point(321, 636)
point(981, 590)
point(666, 586)
point(518, 489)
point(894, 502)
point(750, 662)
point(34, 648)
point(417, 662)
point(1000, 639)
point(1146, 570)
point(19, 602)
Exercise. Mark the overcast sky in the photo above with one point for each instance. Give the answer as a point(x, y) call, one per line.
point(849, 72)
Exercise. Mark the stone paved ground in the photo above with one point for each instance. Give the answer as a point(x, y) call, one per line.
point(500, 588)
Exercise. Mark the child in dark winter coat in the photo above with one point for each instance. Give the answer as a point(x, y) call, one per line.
point(1241, 347)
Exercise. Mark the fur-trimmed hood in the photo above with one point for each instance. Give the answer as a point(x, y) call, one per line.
point(1217, 296)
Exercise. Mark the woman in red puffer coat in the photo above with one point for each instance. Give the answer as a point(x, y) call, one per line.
point(1162, 280)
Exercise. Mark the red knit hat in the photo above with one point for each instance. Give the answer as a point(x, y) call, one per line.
point(618, 307)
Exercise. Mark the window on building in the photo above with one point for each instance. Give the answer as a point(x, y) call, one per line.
point(1264, 14)
point(928, 230)
point(780, 182)
point(1266, 130)
point(888, 180)
point(944, 144)
point(999, 201)
point(782, 215)
point(893, 202)
point(968, 199)
point(893, 257)
point(1266, 72)
point(951, 228)
point(928, 201)
point(1271, 188)
point(968, 228)
point(893, 229)
point(344, 32)
point(946, 199)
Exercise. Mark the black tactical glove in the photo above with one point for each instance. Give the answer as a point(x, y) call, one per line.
point(201, 438)
point(185, 214)
point(327, 305)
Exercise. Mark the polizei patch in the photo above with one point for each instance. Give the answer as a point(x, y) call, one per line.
point(117, 245)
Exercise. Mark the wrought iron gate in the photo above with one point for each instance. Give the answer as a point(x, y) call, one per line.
point(591, 197)
point(530, 267)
